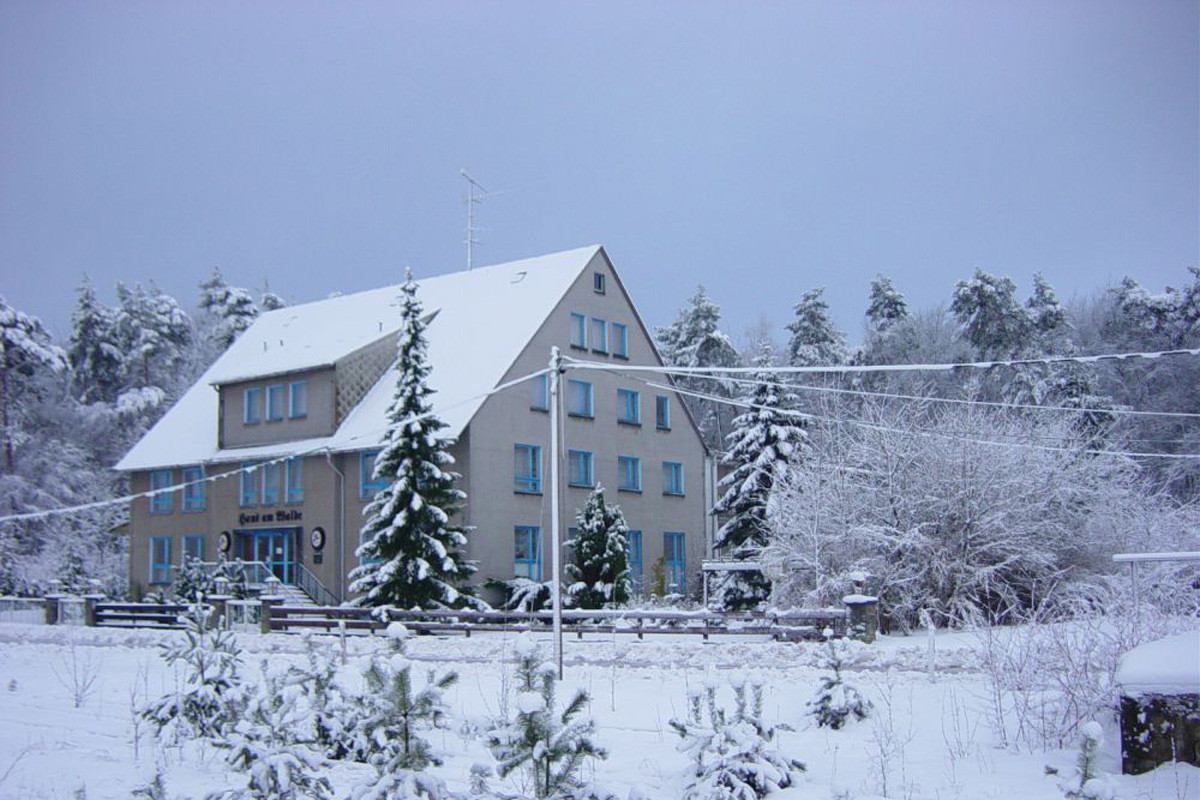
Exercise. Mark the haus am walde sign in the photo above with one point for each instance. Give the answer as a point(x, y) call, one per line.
point(281, 515)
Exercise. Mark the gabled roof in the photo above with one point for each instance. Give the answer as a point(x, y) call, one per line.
point(484, 318)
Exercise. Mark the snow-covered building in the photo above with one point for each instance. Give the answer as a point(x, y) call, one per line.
point(303, 394)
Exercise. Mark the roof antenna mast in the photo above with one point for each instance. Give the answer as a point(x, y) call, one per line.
point(475, 194)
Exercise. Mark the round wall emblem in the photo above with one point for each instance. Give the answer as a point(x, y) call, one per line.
point(224, 541)
point(317, 538)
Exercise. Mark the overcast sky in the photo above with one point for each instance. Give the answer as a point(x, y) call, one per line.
point(760, 149)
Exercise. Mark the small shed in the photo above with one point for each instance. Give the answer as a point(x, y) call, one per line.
point(1160, 703)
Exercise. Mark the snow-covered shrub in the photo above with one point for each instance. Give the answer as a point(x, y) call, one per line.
point(1090, 783)
point(837, 701)
point(524, 595)
point(599, 569)
point(231, 578)
point(193, 583)
point(734, 754)
point(547, 746)
point(212, 697)
point(266, 745)
point(333, 717)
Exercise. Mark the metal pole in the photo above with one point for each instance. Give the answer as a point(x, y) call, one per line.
point(555, 545)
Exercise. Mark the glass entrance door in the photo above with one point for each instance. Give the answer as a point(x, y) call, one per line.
point(274, 549)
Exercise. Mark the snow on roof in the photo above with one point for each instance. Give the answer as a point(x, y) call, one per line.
point(1167, 666)
point(484, 318)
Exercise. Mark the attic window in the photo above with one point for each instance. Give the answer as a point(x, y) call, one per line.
point(598, 282)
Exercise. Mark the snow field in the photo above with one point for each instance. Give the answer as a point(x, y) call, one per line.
point(929, 735)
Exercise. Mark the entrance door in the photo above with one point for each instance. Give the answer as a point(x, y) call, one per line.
point(274, 549)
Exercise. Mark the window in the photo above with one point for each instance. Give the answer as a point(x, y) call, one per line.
point(248, 494)
point(540, 399)
point(298, 399)
point(620, 340)
point(363, 538)
point(672, 477)
point(599, 335)
point(579, 399)
point(527, 469)
point(370, 486)
point(629, 407)
point(252, 406)
point(294, 468)
point(579, 468)
point(676, 562)
point(598, 282)
point(633, 543)
point(578, 331)
point(275, 402)
point(193, 493)
point(527, 555)
point(662, 412)
point(193, 547)
point(160, 559)
point(160, 503)
point(629, 474)
point(270, 484)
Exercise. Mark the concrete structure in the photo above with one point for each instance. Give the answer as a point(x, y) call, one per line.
point(310, 384)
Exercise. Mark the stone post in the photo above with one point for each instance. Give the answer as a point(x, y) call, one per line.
point(265, 618)
point(51, 608)
point(89, 609)
point(220, 618)
point(864, 616)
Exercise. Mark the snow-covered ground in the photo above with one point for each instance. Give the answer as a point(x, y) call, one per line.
point(929, 736)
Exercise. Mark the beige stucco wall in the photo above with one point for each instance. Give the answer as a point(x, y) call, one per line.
point(318, 422)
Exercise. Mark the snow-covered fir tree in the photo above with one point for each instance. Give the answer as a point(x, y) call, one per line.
point(599, 568)
point(411, 552)
point(734, 754)
point(194, 582)
point(837, 701)
point(765, 439)
point(990, 316)
point(333, 716)
point(815, 339)
point(546, 746)
point(97, 362)
point(25, 349)
point(232, 309)
point(212, 698)
point(1090, 783)
point(695, 339)
point(154, 332)
point(269, 301)
point(886, 308)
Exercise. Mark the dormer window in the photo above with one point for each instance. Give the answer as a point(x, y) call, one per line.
point(598, 282)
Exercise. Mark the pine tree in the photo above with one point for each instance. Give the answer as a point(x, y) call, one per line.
point(232, 308)
point(411, 552)
point(549, 747)
point(887, 307)
point(764, 441)
point(269, 301)
point(153, 331)
point(25, 350)
point(93, 350)
point(734, 754)
point(837, 701)
point(815, 340)
point(599, 570)
point(990, 316)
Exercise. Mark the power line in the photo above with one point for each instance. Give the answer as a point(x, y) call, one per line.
point(866, 368)
point(52, 512)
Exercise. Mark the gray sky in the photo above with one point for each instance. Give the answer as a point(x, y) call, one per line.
point(761, 149)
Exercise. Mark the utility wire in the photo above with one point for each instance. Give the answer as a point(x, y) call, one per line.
point(53, 512)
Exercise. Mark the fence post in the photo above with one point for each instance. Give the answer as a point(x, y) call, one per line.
point(89, 610)
point(51, 608)
point(220, 616)
point(265, 615)
point(864, 616)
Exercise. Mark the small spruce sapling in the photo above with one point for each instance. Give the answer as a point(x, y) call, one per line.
point(837, 701)
point(193, 582)
point(1091, 784)
point(333, 719)
point(599, 568)
point(734, 754)
point(212, 698)
point(549, 747)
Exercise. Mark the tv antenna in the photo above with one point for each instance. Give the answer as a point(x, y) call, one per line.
point(473, 198)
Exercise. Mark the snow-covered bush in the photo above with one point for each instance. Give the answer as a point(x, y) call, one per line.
point(212, 698)
point(599, 569)
point(734, 754)
point(1090, 783)
point(523, 594)
point(837, 701)
point(193, 583)
point(333, 717)
point(547, 746)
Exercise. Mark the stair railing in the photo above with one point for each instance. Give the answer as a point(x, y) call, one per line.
point(311, 586)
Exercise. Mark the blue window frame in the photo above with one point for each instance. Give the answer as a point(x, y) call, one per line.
point(629, 407)
point(633, 544)
point(598, 282)
point(579, 468)
point(252, 405)
point(160, 560)
point(539, 399)
point(620, 340)
point(579, 399)
point(369, 485)
point(161, 503)
point(248, 494)
point(672, 478)
point(676, 562)
point(662, 412)
point(275, 402)
point(599, 335)
point(193, 493)
point(527, 469)
point(270, 483)
point(297, 399)
point(629, 474)
point(527, 552)
point(294, 478)
point(193, 547)
point(578, 331)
